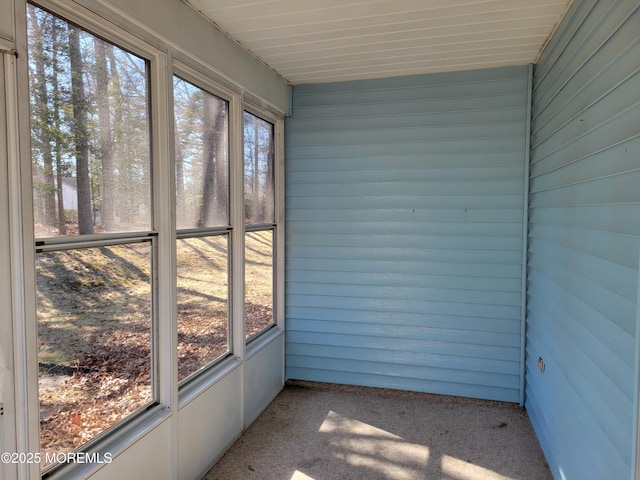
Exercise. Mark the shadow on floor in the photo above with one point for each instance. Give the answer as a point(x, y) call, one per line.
point(324, 431)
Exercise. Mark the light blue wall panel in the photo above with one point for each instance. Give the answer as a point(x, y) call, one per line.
point(405, 215)
point(584, 237)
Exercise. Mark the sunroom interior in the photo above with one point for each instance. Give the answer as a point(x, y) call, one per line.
point(202, 199)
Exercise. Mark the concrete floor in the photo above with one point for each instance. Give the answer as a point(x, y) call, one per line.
point(323, 431)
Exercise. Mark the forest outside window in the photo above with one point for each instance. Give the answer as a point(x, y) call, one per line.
point(260, 223)
point(95, 243)
point(203, 230)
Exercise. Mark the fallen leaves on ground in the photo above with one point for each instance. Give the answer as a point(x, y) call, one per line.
point(113, 380)
point(75, 409)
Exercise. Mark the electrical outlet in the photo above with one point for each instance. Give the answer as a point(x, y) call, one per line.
point(1, 409)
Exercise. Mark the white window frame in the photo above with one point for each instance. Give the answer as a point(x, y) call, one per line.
point(126, 431)
point(256, 342)
point(200, 78)
point(165, 58)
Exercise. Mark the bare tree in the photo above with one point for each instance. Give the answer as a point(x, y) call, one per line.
point(270, 173)
point(105, 137)
point(80, 132)
point(221, 180)
point(42, 120)
point(57, 122)
point(213, 152)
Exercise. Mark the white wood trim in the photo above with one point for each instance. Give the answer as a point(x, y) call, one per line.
point(164, 216)
point(22, 256)
point(236, 216)
point(7, 384)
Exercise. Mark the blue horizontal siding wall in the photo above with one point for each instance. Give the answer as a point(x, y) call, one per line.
point(404, 203)
point(584, 239)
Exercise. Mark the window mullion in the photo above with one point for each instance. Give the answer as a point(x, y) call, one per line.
point(279, 265)
point(163, 214)
point(56, 244)
point(237, 223)
point(259, 226)
point(202, 232)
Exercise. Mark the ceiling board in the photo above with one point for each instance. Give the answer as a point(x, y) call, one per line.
point(309, 41)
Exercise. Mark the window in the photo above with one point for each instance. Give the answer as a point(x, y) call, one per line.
point(137, 246)
point(203, 230)
point(95, 243)
point(260, 223)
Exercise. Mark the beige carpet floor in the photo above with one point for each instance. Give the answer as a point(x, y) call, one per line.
point(324, 431)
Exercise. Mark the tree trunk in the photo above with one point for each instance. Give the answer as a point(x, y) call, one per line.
point(180, 200)
point(41, 108)
point(79, 101)
point(209, 160)
point(256, 164)
point(62, 226)
point(222, 168)
point(105, 146)
point(270, 190)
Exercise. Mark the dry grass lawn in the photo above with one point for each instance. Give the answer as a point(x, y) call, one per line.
point(94, 327)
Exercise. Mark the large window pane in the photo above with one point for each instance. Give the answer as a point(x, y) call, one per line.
point(259, 197)
point(259, 211)
point(202, 207)
point(258, 281)
point(94, 340)
point(202, 163)
point(203, 304)
point(91, 170)
point(89, 131)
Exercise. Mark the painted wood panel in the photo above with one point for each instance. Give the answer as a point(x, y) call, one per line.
point(208, 424)
point(404, 232)
point(149, 457)
point(263, 375)
point(584, 236)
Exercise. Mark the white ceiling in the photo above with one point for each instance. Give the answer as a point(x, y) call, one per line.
point(311, 41)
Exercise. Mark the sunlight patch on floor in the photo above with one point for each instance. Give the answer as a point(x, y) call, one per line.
point(298, 475)
point(365, 446)
point(461, 470)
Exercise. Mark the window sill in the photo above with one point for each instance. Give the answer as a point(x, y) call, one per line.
point(262, 340)
point(114, 443)
point(202, 382)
